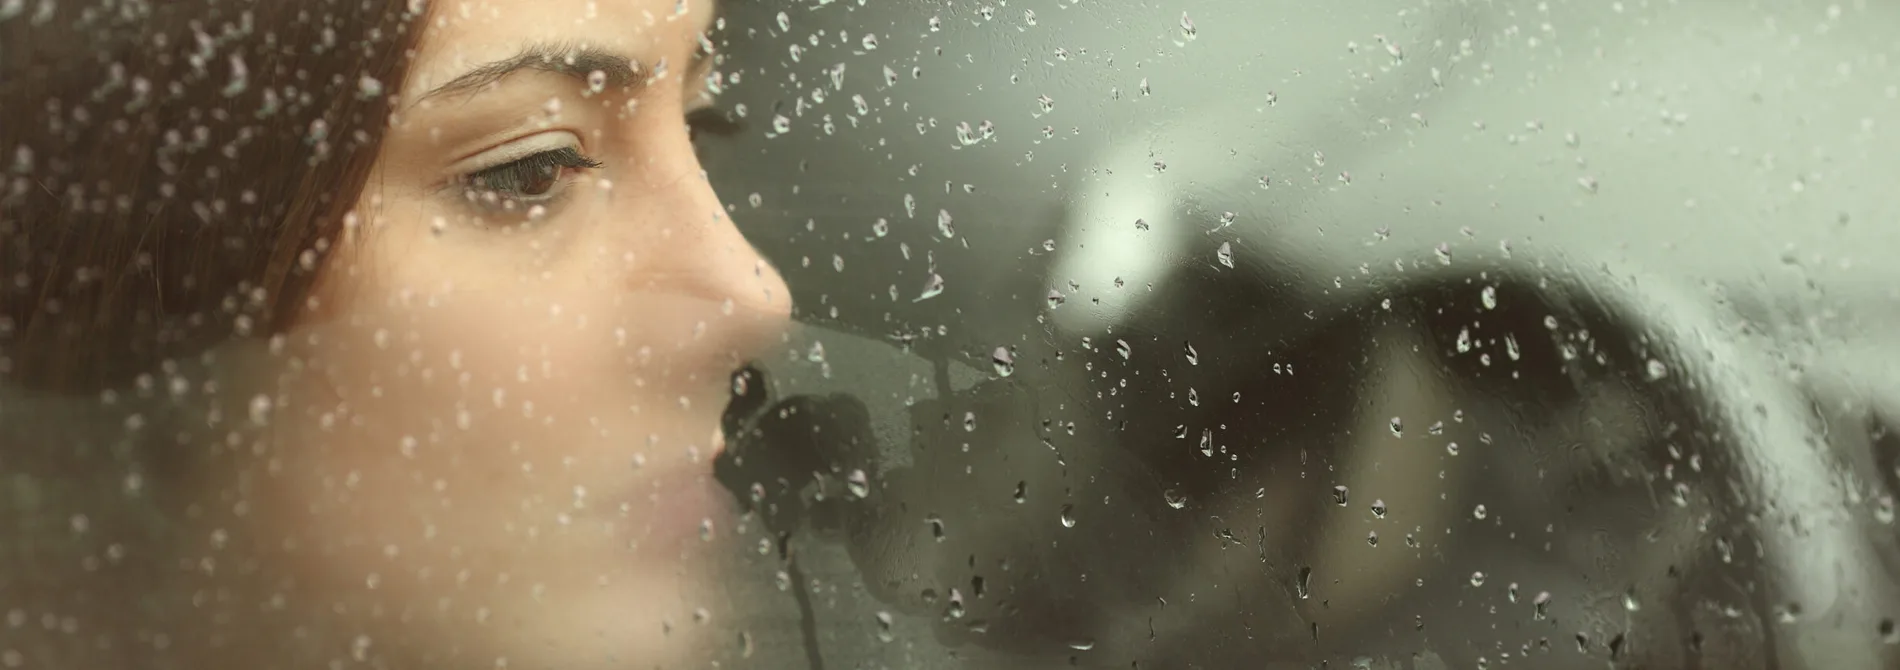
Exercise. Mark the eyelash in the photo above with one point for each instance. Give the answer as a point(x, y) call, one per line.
point(505, 186)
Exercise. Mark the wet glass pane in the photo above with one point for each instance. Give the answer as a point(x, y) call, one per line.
point(902, 334)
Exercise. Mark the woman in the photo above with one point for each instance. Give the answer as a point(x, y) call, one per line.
point(365, 333)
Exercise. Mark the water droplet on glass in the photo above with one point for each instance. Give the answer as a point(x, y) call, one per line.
point(1022, 492)
point(817, 353)
point(1187, 28)
point(1340, 495)
point(969, 422)
point(1175, 499)
point(1207, 442)
point(1452, 448)
point(1656, 369)
point(1082, 644)
point(1479, 512)
point(1068, 516)
point(1046, 104)
point(1004, 361)
point(1378, 508)
point(1121, 347)
point(936, 527)
point(1194, 398)
point(1055, 299)
point(943, 223)
point(597, 81)
point(859, 484)
point(1489, 296)
point(933, 287)
point(369, 87)
point(1477, 579)
point(780, 124)
point(884, 633)
point(1304, 587)
point(1372, 538)
point(869, 42)
point(1225, 254)
point(1193, 357)
point(1540, 605)
point(1398, 427)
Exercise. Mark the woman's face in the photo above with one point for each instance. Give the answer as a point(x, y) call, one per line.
point(493, 445)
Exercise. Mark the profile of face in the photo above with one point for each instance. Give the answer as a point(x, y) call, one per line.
point(490, 436)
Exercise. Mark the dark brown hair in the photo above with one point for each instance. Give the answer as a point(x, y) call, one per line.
point(172, 171)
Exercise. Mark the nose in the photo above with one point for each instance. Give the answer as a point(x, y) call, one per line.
point(704, 257)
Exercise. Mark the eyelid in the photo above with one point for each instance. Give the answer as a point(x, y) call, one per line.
point(514, 151)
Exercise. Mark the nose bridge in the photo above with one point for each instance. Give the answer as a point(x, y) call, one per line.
point(706, 256)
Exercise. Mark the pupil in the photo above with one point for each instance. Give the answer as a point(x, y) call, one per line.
point(540, 182)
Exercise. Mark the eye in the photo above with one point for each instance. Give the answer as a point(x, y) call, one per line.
point(710, 121)
point(532, 179)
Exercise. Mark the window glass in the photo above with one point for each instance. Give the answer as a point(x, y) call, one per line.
point(898, 334)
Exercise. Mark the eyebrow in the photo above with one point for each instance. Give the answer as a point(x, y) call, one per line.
point(579, 62)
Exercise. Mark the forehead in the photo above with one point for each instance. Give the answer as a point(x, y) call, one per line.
point(462, 34)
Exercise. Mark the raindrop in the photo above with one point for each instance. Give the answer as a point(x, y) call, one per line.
point(1477, 579)
point(1046, 104)
point(881, 228)
point(1004, 362)
point(1144, 86)
point(858, 103)
point(1207, 442)
point(1464, 340)
point(1304, 587)
point(859, 484)
point(1541, 605)
point(1175, 499)
point(780, 124)
point(936, 530)
point(1510, 592)
point(1225, 254)
point(1193, 397)
point(969, 422)
point(936, 24)
point(1141, 224)
point(1452, 448)
point(884, 627)
point(1398, 427)
point(597, 81)
point(1340, 495)
point(1489, 296)
point(1187, 28)
point(1121, 347)
point(1068, 516)
point(1372, 538)
point(943, 223)
point(1193, 357)
point(870, 42)
point(956, 604)
point(1056, 299)
point(932, 288)
point(1082, 644)
point(1437, 428)
point(784, 21)
point(1479, 512)
point(1378, 508)
point(817, 353)
point(1656, 369)
point(1022, 492)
